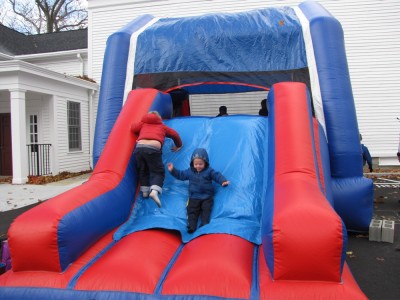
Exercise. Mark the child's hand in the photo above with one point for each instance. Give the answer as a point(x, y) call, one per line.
point(175, 148)
point(170, 167)
point(225, 183)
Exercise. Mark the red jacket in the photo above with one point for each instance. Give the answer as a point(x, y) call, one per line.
point(152, 128)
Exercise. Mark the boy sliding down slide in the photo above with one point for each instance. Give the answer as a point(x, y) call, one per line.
point(201, 191)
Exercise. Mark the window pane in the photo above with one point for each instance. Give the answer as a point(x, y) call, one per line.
point(33, 129)
point(74, 126)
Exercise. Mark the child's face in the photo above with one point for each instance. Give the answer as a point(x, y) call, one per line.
point(199, 164)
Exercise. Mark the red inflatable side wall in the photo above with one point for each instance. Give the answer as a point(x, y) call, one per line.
point(308, 234)
point(38, 229)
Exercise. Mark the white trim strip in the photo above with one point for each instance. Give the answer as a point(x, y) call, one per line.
point(312, 68)
point(130, 69)
point(390, 180)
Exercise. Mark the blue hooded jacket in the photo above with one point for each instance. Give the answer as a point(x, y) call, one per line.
point(366, 157)
point(200, 183)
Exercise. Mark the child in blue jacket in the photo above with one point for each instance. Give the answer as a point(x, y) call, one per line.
point(201, 191)
point(366, 155)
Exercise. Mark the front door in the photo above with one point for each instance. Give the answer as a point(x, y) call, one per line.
point(5, 145)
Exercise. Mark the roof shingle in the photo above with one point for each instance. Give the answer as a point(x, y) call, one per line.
point(15, 43)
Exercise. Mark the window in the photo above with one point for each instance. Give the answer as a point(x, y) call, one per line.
point(33, 129)
point(74, 126)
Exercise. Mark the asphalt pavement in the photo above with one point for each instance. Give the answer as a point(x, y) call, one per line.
point(375, 265)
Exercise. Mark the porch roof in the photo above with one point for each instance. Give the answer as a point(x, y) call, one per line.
point(12, 66)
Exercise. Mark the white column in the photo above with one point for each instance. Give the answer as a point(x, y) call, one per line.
point(18, 133)
point(55, 168)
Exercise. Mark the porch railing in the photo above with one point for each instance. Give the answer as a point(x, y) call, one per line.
point(39, 159)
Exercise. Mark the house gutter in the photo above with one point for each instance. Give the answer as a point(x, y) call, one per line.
point(52, 54)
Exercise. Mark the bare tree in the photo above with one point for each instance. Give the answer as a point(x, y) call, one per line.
point(46, 16)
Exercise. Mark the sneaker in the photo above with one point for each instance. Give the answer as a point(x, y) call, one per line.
point(154, 196)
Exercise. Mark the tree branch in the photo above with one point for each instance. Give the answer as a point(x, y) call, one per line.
point(48, 15)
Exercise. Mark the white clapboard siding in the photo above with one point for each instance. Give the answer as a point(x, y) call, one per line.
point(372, 40)
point(46, 122)
point(372, 36)
point(71, 66)
point(240, 103)
point(78, 160)
point(40, 108)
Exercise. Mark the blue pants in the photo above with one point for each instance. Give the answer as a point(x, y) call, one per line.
point(198, 208)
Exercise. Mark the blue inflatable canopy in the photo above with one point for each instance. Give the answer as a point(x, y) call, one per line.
point(220, 47)
point(254, 41)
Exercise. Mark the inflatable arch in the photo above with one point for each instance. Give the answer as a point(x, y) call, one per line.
point(277, 232)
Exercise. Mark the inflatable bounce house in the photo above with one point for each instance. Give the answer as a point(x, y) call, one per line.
point(278, 231)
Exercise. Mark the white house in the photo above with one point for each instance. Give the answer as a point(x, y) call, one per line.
point(372, 37)
point(46, 113)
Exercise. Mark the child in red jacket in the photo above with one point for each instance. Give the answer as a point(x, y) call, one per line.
point(151, 133)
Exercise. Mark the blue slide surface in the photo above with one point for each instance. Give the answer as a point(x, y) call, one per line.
point(240, 157)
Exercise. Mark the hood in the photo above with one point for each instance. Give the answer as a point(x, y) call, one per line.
point(151, 119)
point(200, 153)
